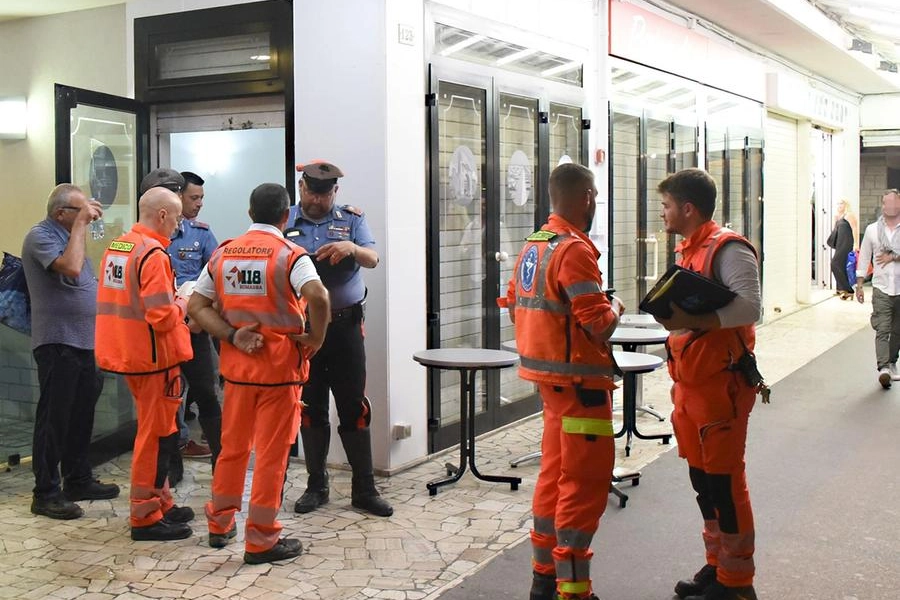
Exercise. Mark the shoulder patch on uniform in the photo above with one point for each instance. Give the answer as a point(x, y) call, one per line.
point(353, 210)
point(199, 224)
point(121, 246)
point(541, 236)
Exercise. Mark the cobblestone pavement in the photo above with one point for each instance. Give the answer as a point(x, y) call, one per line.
point(430, 543)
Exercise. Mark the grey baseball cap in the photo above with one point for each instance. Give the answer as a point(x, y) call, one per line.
point(167, 178)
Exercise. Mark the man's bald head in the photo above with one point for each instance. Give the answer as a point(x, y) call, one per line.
point(159, 209)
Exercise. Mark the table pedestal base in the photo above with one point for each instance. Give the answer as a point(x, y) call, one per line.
point(467, 440)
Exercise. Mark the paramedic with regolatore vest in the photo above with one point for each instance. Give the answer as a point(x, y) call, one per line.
point(252, 296)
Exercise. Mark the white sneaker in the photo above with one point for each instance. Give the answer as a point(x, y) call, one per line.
point(895, 376)
point(884, 377)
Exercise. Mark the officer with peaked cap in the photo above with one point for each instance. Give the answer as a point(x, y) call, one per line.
point(339, 239)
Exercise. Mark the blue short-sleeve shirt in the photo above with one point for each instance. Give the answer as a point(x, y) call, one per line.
point(63, 308)
point(344, 281)
point(192, 246)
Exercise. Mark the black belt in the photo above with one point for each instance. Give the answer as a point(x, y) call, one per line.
point(352, 311)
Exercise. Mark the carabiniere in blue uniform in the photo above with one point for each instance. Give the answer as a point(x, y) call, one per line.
point(339, 367)
point(192, 245)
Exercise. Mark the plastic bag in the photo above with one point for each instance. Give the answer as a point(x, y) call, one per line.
point(851, 267)
point(15, 303)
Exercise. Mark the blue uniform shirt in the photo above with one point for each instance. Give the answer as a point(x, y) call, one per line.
point(344, 281)
point(192, 245)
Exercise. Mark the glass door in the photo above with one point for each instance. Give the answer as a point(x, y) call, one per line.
point(457, 244)
point(101, 146)
point(625, 145)
point(518, 119)
point(485, 181)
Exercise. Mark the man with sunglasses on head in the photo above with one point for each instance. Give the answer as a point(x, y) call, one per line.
point(63, 306)
point(340, 242)
point(192, 246)
point(141, 333)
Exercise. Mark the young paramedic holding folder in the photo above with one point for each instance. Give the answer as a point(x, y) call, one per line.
point(712, 400)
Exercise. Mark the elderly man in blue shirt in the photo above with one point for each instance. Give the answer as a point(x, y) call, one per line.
point(339, 239)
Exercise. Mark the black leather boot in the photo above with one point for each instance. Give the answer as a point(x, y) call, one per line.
point(364, 496)
point(543, 587)
point(212, 429)
point(696, 585)
point(315, 452)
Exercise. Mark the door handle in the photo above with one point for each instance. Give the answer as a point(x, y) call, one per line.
point(655, 243)
point(501, 256)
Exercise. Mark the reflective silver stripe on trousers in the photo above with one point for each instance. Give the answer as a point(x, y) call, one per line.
point(565, 368)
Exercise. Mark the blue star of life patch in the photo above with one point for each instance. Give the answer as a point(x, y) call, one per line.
point(528, 268)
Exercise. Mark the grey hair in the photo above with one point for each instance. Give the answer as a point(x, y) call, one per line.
point(60, 195)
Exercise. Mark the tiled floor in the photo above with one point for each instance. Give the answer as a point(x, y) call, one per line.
point(429, 544)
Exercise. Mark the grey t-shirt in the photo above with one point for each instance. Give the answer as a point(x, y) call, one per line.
point(63, 309)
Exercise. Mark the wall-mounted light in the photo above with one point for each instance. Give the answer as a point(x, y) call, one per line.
point(13, 118)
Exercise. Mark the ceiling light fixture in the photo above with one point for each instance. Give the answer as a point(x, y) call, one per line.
point(515, 56)
point(461, 45)
point(569, 66)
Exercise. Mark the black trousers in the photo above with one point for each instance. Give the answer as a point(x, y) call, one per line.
point(70, 385)
point(201, 376)
point(339, 366)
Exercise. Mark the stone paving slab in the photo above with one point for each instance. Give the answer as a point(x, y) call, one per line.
point(430, 543)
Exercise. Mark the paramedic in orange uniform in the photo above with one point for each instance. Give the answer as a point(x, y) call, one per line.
point(261, 285)
point(712, 400)
point(141, 333)
point(563, 322)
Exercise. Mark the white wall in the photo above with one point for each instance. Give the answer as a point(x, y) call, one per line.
point(359, 97)
point(880, 112)
point(34, 55)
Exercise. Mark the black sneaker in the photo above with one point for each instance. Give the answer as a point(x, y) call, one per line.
point(179, 514)
point(161, 531)
point(93, 490)
point(717, 591)
point(56, 508)
point(695, 586)
point(220, 540)
point(311, 500)
point(284, 549)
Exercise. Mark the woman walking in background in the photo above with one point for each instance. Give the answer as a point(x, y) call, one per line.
point(843, 239)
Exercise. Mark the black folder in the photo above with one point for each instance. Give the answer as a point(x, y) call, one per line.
point(691, 291)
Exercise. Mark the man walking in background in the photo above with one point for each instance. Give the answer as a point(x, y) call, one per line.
point(881, 249)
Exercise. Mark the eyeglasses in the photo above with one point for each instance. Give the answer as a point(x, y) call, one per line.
point(69, 208)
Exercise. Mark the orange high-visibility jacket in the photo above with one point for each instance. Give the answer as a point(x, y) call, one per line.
point(252, 274)
point(140, 329)
point(556, 268)
point(693, 357)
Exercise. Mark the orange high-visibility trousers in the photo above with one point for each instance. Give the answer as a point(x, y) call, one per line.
point(710, 423)
point(264, 418)
point(156, 398)
point(577, 457)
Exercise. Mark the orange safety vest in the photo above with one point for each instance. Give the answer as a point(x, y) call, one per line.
point(552, 348)
point(125, 341)
point(252, 274)
point(695, 356)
